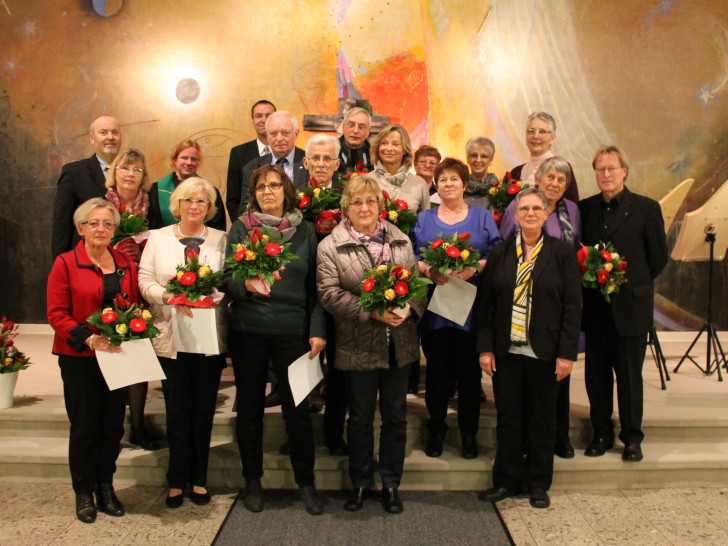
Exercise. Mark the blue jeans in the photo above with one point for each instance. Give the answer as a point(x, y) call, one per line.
point(362, 388)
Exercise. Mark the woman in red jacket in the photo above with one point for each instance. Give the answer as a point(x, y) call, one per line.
point(82, 281)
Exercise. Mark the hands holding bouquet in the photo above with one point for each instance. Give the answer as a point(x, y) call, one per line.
point(602, 267)
point(386, 291)
point(397, 212)
point(260, 259)
point(321, 204)
point(122, 322)
point(451, 255)
point(193, 284)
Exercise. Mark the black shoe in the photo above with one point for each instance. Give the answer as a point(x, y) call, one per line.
point(285, 448)
point(273, 399)
point(356, 499)
point(413, 389)
point(85, 508)
point(391, 501)
point(496, 494)
point(598, 447)
point(539, 499)
point(200, 499)
point(469, 449)
point(141, 438)
point(564, 449)
point(174, 502)
point(434, 444)
point(632, 452)
point(253, 496)
point(338, 448)
point(107, 502)
point(311, 500)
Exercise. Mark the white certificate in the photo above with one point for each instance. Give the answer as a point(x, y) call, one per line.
point(453, 300)
point(197, 334)
point(303, 375)
point(136, 363)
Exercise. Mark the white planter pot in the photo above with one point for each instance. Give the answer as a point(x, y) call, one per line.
point(7, 387)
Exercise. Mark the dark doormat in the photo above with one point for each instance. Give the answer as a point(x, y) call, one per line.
point(429, 517)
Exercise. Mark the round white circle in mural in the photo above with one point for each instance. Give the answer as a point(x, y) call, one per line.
point(188, 90)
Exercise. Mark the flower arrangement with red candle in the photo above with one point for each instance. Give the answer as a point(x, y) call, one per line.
point(602, 267)
point(129, 225)
point(261, 257)
point(319, 204)
point(193, 283)
point(11, 358)
point(502, 193)
point(391, 287)
point(397, 212)
point(452, 253)
point(124, 322)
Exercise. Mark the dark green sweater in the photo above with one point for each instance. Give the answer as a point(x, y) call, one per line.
point(292, 307)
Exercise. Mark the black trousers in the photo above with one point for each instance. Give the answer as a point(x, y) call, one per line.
point(363, 387)
point(190, 397)
point(450, 352)
point(337, 400)
point(522, 382)
point(608, 355)
point(97, 422)
point(563, 407)
point(251, 354)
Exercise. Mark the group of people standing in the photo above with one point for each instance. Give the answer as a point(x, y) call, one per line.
point(523, 329)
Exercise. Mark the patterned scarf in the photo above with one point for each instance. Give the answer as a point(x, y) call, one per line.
point(521, 313)
point(286, 225)
point(139, 207)
point(567, 230)
point(481, 187)
point(396, 180)
point(377, 244)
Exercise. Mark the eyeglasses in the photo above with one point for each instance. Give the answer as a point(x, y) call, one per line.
point(359, 203)
point(273, 186)
point(93, 224)
point(426, 163)
point(525, 209)
point(317, 158)
point(607, 170)
point(198, 202)
point(540, 132)
point(127, 169)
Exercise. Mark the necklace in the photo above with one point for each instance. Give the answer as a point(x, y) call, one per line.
point(179, 228)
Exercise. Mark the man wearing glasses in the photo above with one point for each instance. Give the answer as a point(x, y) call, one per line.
point(82, 180)
point(354, 143)
point(616, 331)
point(281, 129)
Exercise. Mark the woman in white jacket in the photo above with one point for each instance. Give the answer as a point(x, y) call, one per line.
point(190, 390)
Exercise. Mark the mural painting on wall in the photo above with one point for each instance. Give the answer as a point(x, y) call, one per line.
point(619, 72)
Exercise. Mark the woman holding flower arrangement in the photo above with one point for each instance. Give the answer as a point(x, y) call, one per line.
point(190, 390)
point(392, 157)
point(449, 347)
point(373, 347)
point(82, 281)
point(275, 317)
point(129, 184)
point(529, 309)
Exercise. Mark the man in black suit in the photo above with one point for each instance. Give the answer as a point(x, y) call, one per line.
point(82, 180)
point(354, 141)
point(242, 154)
point(616, 332)
point(281, 130)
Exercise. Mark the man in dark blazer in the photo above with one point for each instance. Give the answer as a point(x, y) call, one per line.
point(281, 131)
point(82, 180)
point(243, 154)
point(525, 373)
point(616, 332)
